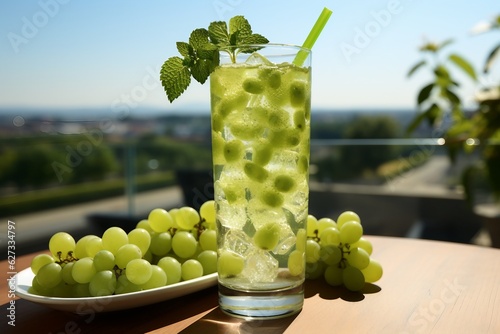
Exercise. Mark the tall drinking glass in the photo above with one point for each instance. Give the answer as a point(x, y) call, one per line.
point(260, 108)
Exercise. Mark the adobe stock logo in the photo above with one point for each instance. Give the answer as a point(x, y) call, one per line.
point(371, 30)
point(423, 318)
point(31, 26)
point(223, 6)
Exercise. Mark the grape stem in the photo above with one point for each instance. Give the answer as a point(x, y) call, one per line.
point(69, 258)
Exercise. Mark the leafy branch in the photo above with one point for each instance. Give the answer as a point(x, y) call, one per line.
point(439, 95)
point(478, 132)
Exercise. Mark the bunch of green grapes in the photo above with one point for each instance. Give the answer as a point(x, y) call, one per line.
point(337, 251)
point(166, 248)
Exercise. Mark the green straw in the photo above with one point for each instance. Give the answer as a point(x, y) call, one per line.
point(313, 36)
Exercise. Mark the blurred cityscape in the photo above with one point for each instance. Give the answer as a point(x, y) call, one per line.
point(361, 160)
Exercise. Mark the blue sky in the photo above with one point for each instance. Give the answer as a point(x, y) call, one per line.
point(64, 53)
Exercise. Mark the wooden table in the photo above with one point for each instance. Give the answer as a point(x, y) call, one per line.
point(427, 286)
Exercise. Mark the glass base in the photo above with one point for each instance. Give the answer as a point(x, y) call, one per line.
point(261, 304)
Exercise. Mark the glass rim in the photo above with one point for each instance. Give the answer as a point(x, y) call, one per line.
point(284, 46)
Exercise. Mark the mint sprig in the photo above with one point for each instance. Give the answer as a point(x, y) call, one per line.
point(201, 53)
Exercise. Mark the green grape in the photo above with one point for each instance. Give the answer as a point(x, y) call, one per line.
point(234, 150)
point(191, 269)
point(350, 232)
point(141, 238)
point(230, 264)
point(253, 85)
point(333, 275)
point(207, 211)
point(171, 267)
point(127, 253)
point(373, 272)
point(272, 198)
point(39, 261)
point(353, 279)
point(324, 223)
point(37, 289)
point(285, 138)
point(279, 119)
point(255, 172)
point(123, 285)
point(160, 220)
point(67, 273)
point(312, 226)
point(296, 265)
point(330, 255)
point(161, 243)
point(315, 270)
point(358, 258)
point(62, 290)
point(218, 141)
point(347, 216)
point(299, 119)
point(187, 218)
point(61, 245)
point(113, 238)
point(93, 245)
point(208, 240)
point(148, 256)
point(184, 244)
point(312, 251)
point(284, 183)
point(329, 236)
point(301, 240)
point(243, 129)
point(303, 164)
point(83, 270)
point(49, 275)
point(364, 244)
point(104, 260)
point(262, 153)
point(138, 271)
point(208, 260)
point(298, 93)
point(144, 224)
point(173, 213)
point(103, 283)
point(81, 247)
point(158, 278)
point(80, 290)
point(267, 236)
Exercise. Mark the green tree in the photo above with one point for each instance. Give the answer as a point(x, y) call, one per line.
point(359, 158)
point(33, 165)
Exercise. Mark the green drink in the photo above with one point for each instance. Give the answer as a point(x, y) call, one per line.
point(260, 138)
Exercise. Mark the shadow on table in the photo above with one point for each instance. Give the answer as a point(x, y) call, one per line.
point(325, 291)
point(216, 322)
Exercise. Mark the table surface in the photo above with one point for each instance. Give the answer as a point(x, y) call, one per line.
point(427, 287)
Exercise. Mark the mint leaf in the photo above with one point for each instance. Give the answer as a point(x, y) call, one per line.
point(184, 49)
point(174, 77)
point(239, 24)
point(201, 54)
point(217, 31)
point(253, 39)
point(199, 38)
point(201, 70)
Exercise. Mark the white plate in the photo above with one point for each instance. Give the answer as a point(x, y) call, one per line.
point(114, 302)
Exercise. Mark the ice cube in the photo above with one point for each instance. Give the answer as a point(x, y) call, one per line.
point(231, 215)
point(287, 240)
point(260, 266)
point(260, 214)
point(257, 59)
point(238, 242)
